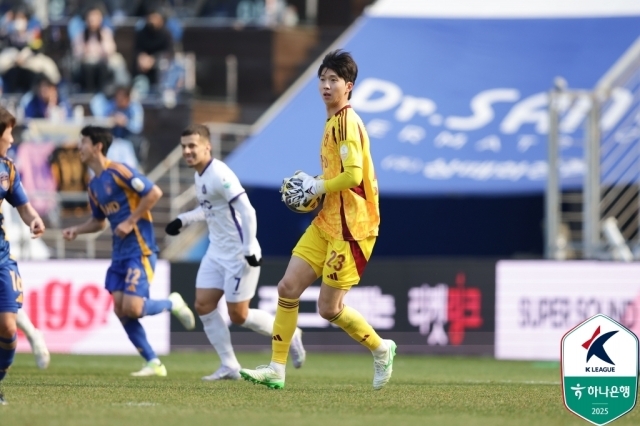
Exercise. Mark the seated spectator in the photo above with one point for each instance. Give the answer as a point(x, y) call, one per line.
point(92, 48)
point(128, 117)
point(21, 61)
point(45, 102)
point(153, 42)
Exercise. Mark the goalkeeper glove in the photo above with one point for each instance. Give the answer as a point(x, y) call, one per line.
point(311, 186)
point(173, 228)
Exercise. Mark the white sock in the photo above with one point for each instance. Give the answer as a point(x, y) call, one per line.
point(218, 334)
point(279, 368)
point(260, 321)
point(24, 323)
point(381, 350)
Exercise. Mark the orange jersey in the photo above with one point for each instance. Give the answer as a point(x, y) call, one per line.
point(351, 214)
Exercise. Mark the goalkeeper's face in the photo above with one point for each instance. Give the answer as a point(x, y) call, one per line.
point(196, 151)
point(333, 88)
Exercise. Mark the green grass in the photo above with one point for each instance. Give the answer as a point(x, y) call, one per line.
point(328, 390)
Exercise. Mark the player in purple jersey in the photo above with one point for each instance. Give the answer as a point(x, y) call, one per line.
point(10, 282)
point(125, 197)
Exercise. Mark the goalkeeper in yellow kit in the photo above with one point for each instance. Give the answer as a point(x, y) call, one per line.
point(338, 243)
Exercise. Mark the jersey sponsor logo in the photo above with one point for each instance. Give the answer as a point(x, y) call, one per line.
point(4, 180)
point(204, 189)
point(137, 184)
point(112, 207)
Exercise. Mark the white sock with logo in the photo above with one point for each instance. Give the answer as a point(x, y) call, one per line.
point(218, 334)
point(260, 321)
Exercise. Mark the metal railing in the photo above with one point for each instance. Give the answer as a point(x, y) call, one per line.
point(609, 199)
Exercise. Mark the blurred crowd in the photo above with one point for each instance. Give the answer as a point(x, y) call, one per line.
point(93, 79)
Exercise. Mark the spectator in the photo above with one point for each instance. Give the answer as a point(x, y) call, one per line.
point(21, 61)
point(128, 118)
point(46, 103)
point(153, 42)
point(92, 48)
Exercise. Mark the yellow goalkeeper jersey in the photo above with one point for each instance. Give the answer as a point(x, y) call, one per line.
point(351, 214)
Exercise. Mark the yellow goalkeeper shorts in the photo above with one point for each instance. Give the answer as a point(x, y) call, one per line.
point(340, 263)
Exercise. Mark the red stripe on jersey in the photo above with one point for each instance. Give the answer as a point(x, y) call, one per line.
point(360, 190)
point(358, 256)
point(346, 233)
point(342, 109)
point(344, 125)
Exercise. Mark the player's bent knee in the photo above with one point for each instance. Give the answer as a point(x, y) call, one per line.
point(8, 330)
point(204, 308)
point(328, 312)
point(289, 289)
point(238, 318)
point(132, 312)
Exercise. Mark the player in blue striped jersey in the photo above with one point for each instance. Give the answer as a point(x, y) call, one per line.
point(10, 282)
point(125, 197)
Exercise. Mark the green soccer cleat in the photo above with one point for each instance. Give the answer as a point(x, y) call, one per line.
point(383, 366)
point(263, 375)
point(152, 368)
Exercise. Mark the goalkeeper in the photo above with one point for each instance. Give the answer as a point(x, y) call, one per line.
point(338, 243)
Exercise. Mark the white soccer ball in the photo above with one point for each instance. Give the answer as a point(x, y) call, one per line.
point(294, 198)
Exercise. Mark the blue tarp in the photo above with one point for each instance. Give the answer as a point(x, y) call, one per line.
point(452, 106)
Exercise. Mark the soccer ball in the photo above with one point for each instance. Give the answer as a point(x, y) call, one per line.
point(293, 196)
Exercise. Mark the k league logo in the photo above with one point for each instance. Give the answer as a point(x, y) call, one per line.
point(599, 370)
point(595, 346)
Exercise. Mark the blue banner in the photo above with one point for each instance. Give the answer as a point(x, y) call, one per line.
point(453, 105)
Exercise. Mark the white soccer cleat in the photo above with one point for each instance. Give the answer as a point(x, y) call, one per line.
point(39, 348)
point(223, 373)
point(383, 366)
point(264, 375)
point(296, 350)
point(152, 368)
point(180, 309)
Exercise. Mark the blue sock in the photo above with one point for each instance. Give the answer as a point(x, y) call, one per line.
point(138, 337)
point(7, 351)
point(154, 307)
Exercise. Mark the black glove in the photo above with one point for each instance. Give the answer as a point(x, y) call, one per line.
point(173, 228)
point(253, 261)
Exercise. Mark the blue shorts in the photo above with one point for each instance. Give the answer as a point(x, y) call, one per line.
point(10, 287)
point(131, 276)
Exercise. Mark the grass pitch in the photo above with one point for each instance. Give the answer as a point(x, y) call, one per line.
point(328, 390)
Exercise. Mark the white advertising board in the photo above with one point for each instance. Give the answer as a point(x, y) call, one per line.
point(67, 301)
point(537, 302)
